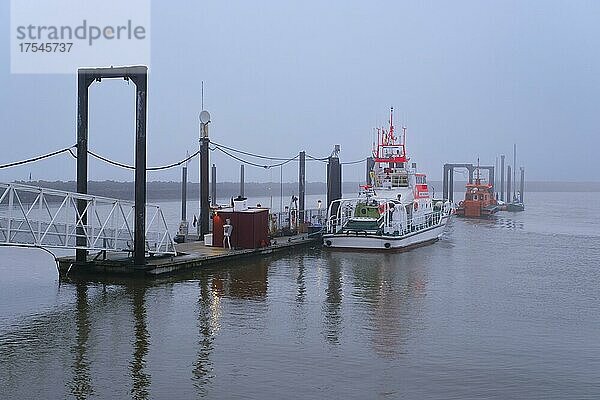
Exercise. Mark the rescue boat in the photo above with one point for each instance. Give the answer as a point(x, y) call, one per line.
point(395, 210)
point(479, 201)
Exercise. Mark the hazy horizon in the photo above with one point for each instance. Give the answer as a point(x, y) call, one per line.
point(172, 190)
point(467, 78)
point(459, 181)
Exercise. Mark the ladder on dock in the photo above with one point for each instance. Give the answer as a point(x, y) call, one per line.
point(48, 218)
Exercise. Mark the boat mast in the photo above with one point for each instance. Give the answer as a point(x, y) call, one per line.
point(391, 135)
point(514, 171)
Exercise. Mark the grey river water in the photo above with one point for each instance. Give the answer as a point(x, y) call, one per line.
point(502, 309)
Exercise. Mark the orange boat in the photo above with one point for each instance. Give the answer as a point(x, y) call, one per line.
point(479, 199)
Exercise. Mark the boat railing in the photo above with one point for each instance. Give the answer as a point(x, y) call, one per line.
point(414, 223)
point(294, 221)
point(338, 213)
point(342, 210)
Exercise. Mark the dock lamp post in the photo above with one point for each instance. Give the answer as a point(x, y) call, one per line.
point(204, 171)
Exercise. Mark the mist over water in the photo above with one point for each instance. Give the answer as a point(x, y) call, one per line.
point(507, 308)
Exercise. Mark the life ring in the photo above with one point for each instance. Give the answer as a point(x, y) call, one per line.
point(415, 205)
point(461, 203)
point(381, 208)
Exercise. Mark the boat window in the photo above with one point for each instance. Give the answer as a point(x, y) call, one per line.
point(399, 181)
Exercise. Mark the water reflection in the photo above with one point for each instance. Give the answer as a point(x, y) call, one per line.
point(332, 307)
point(240, 282)
point(81, 386)
point(510, 223)
point(388, 290)
point(299, 312)
point(502, 220)
point(106, 333)
point(300, 282)
point(140, 379)
point(250, 281)
point(207, 325)
point(398, 311)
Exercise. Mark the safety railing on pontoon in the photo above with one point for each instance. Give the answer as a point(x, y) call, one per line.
point(39, 217)
point(293, 221)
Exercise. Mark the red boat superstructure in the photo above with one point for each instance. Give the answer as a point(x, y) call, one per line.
point(479, 201)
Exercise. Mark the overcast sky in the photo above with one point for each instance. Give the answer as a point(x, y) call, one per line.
point(468, 78)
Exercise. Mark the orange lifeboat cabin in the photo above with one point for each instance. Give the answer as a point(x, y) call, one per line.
point(479, 200)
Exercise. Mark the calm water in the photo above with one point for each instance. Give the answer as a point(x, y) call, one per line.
point(498, 309)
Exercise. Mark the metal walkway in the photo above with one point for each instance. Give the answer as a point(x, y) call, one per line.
point(39, 217)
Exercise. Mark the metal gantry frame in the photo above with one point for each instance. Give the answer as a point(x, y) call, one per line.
point(139, 76)
point(39, 217)
point(448, 177)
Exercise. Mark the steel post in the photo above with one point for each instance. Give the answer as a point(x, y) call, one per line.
point(508, 185)
point(522, 184)
point(502, 177)
point(184, 193)
point(83, 83)
point(301, 186)
point(139, 245)
point(242, 180)
point(451, 185)
point(213, 185)
point(204, 201)
point(445, 183)
point(334, 180)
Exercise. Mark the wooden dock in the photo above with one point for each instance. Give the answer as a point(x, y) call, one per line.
point(191, 255)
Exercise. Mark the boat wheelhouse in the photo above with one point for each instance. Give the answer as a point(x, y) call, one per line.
point(479, 201)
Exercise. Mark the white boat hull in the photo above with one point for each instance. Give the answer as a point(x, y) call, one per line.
point(385, 242)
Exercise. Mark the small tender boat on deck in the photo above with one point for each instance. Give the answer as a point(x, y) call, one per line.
point(395, 211)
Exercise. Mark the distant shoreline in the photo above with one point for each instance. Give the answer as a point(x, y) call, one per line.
point(172, 190)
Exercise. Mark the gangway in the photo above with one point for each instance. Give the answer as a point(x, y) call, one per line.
point(48, 218)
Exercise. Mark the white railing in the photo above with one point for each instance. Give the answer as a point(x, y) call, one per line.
point(39, 217)
point(339, 212)
point(289, 221)
point(342, 210)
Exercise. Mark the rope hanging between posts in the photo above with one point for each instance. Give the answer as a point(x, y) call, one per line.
point(216, 146)
point(247, 153)
point(38, 158)
point(353, 162)
point(252, 163)
point(131, 167)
